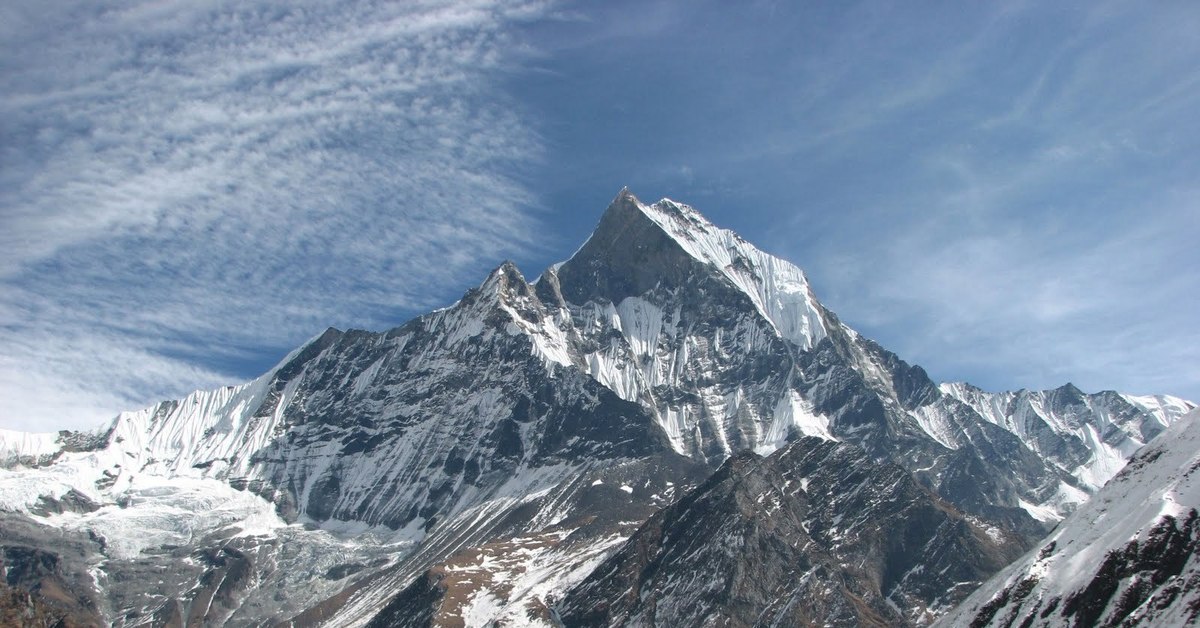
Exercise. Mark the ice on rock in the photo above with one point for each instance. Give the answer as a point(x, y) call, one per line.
point(16, 447)
point(1123, 423)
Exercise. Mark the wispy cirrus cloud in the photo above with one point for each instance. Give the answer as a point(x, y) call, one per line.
point(184, 185)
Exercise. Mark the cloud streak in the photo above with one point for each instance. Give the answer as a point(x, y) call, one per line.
point(182, 179)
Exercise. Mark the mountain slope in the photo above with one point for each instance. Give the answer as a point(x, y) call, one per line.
point(428, 436)
point(730, 350)
point(1128, 557)
point(814, 533)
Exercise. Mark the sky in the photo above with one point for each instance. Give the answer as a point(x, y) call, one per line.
point(1004, 193)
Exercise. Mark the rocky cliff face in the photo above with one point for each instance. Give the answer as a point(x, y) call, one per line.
point(566, 410)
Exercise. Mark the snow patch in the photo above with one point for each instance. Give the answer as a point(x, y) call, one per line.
point(792, 413)
point(1041, 513)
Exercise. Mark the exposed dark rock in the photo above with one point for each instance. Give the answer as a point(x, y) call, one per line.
point(71, 501)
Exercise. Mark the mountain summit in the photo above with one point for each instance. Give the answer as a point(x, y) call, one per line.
point(478, 463)
point(637, 248)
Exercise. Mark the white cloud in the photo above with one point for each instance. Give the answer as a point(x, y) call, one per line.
point(243, 173)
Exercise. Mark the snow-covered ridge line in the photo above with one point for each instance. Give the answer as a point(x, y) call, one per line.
point(1167, 407)
point(1123, 423)
point(174, 435)
point(1163, 406)
point(206, 434)
point(203, 427)
point(778, 288)
point(40, 448)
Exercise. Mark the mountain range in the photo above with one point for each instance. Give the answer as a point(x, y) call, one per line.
point(668, 428)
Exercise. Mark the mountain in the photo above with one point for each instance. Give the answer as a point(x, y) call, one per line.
point(478, 461)
point(449, 430)
point(730, 350)
point(1128, 557)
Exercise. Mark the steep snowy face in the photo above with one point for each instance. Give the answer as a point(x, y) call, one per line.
point(778, 289)
point(663, 242)
point(1127, 557)
point(27, 447)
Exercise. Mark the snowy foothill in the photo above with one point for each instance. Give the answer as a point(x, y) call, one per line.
point(1162, 480)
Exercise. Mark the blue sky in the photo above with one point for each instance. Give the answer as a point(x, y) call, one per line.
point(1006, 193)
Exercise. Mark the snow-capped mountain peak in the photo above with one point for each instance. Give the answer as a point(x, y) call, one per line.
point(778, 288)
point(652, 237)
point(1088, 435)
